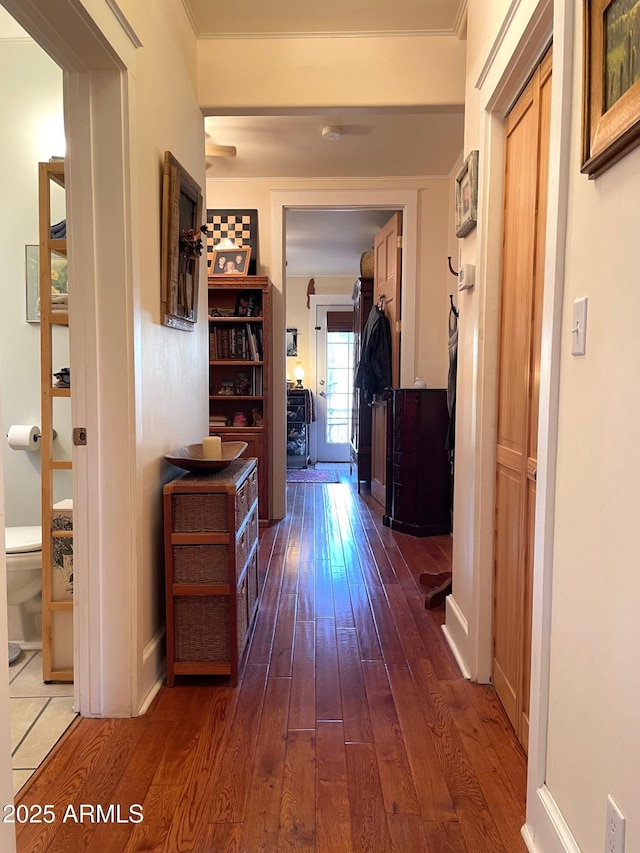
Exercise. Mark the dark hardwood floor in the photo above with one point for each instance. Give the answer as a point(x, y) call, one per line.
point(350, 730)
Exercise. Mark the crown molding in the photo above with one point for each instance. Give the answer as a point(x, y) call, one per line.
point(124, 23)
point(497, 44)
point(460, 26)
point(328, 35)
point(192, 20)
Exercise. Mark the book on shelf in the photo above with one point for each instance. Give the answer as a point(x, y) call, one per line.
point(235, 343)
point(253, 344)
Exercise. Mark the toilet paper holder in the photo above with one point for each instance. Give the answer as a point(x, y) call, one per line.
point(36, 434)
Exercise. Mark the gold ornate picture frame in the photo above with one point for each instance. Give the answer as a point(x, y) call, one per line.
point(467, 196)
point(611, 83)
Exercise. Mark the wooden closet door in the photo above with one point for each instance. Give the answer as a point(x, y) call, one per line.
point(525, 202)
point(387, 267)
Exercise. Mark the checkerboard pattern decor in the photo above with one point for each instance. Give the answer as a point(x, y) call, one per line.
point(239, 225)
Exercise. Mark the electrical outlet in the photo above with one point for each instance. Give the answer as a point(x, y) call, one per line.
point(614, 838)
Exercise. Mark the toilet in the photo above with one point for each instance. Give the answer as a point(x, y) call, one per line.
point(23, 547)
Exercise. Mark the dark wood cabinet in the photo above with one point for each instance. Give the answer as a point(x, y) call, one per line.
point(418, 473)
point(360, 449)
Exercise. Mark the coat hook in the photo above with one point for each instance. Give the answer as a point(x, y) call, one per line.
point(451, 269)
point(453, 307)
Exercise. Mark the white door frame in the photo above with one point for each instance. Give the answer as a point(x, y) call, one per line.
point(95, 47)
point(314, 303)
point(333, 199)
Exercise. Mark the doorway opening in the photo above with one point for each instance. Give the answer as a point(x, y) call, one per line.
point(323, 249)
point(39, 711)
point(334, 381)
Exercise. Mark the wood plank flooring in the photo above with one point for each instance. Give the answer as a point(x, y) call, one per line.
point(350, 730)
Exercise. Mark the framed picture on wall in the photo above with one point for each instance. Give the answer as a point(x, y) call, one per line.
point(611, 83)
point(292, 342)
point(182, 245)
point(59, 287)
point(467, 196)
point(238, 227)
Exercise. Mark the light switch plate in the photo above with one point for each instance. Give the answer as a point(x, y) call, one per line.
point(579, 327)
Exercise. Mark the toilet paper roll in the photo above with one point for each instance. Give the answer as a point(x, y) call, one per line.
point(24, 437)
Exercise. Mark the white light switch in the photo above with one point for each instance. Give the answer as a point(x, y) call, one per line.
point(579, 327)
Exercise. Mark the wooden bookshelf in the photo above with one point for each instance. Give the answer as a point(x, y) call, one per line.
point(239, 311)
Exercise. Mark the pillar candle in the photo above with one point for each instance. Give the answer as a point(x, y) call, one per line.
point(212, 447)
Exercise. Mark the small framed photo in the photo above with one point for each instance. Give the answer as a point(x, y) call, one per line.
point(230, 261)
point(292, 342)
point(467, 196)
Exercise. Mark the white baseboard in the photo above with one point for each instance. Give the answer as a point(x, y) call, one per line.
point(546, 830)
point(456, 631)
point(152, 675)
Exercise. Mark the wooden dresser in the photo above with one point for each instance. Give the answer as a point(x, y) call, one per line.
point(211, 569)
point(418, 472)
point(360, 448)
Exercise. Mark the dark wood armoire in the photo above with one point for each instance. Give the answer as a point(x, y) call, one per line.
point(360, 450)
point(418, 472)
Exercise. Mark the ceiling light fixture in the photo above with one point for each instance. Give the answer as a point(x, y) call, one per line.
point(332, 132)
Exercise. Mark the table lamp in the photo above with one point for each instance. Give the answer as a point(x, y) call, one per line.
point(299, 374)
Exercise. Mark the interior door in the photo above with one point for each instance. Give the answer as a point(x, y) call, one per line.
point(525, 203)
point(334, 382)
point(386, 290)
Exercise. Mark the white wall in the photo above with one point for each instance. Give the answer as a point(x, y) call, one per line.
point(297, 313)
point(594, 684)
point(434, 284)
point(172, 382)
point(31, 89)
point(331, 72)
point(595, 633)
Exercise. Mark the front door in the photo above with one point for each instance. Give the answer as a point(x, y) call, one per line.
point(334, 381)
point(525, 206)
point(386, 292)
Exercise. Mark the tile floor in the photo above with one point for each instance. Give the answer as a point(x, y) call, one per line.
point(40, 713)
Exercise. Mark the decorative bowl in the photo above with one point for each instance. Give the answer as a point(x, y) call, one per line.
point(190, 457)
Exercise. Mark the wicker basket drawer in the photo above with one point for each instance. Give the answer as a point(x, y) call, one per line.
point(201, 564)
point(252, 584)
point(200, 513)
point(246, 540)
point(245, 496)
point(201, 628)
point(243, 614)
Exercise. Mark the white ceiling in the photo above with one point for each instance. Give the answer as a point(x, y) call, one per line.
point(373, 144)
point(330, 242)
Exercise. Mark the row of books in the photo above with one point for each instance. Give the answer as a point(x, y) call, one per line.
point(236, 343)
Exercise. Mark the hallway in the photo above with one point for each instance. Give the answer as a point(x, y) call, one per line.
point(351, 730)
